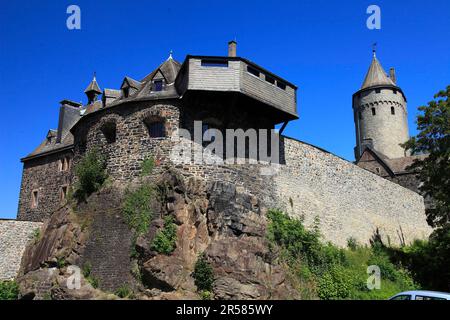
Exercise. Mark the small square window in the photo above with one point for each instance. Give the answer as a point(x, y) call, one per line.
point(377, 90)
point(270, 79)
point(253, 71)
point(157, 85)
point(156, 129)
point(281, 85)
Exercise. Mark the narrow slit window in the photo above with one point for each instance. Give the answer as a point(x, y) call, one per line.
point(214, 63)
point(373, 111)
point(392, 110)
point(34, 199)
point(63, 194)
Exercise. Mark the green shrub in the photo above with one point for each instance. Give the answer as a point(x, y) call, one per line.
point(9, 290)
point(36, 235)
point(352, 243)
point(205, 295)
point(335, 284)
point(165, 239)
point(332, 272)
point(124, 291)
point(137, 210)
point(91, 174)
point(203, 274)
point(147, 166)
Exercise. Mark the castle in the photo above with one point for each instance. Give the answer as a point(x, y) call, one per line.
point(136, 121)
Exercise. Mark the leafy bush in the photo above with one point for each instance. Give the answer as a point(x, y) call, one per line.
point(203, 275)
point(165, 239)
point(9, 290)
point(334, 273)
point(147, 166)
point(137, 210)
point(91, 174)
point(427, 261)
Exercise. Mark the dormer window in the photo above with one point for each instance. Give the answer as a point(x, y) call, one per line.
point(157, 85)
point(126, 92)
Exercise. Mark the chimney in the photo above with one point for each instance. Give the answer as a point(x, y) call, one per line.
point(69, 113)
point(392, 75)
point(232, 48)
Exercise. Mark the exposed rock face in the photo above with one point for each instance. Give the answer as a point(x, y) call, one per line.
point(212, 218)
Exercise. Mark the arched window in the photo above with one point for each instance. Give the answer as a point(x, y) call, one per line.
point(155, 127)
point(109, 131)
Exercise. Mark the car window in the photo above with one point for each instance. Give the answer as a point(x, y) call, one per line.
point(428, 298)
point(402, 297)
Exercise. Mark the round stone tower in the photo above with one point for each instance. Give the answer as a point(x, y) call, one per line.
point(380, 114)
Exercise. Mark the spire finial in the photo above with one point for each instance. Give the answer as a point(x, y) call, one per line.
point(374, 50)
point(95, 76)
point(170, 55)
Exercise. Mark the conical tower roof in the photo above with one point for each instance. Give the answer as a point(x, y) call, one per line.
point(93, 86)
point(376, 76)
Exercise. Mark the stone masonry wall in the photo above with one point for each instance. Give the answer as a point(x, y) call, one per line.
point(348, 200)
point(14, 235)
point(45, 176)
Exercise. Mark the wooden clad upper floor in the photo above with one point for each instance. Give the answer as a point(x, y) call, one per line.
point(234, 74)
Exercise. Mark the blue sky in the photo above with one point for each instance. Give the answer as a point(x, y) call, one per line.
point(322, 46)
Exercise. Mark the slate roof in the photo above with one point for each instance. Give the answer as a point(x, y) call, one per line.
point(112, 93)
point(93, 86)
point(168, 68)
point(400, 165)
point(49, 146)
point(394, 166)
point(376, 76)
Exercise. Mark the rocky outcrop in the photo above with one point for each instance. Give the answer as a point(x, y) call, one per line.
point(214, 219)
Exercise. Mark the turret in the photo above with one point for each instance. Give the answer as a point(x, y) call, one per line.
point(92, 91)
point(380, 114)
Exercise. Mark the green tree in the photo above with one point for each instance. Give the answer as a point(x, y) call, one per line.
point(434, 138)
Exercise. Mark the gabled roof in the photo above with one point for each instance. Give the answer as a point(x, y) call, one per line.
point(376, 76)
point(93, 87)
point(127, 81)
point(169, 69)
point(381, 159)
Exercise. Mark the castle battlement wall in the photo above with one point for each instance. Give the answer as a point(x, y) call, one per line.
point(348, 200)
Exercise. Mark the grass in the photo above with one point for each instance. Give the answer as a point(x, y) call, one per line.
point(329, 272)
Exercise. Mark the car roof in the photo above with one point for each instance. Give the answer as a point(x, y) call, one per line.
point(430, 293)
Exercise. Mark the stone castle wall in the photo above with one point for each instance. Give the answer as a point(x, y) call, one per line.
point(348, 200)
point(44, 175)
point(14, 235)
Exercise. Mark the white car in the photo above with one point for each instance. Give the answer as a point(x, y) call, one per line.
point(421, 295)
